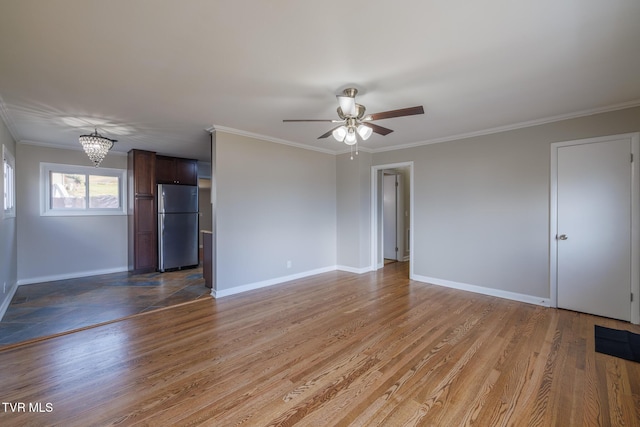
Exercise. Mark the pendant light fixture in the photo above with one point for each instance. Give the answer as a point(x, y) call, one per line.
point(96, 146)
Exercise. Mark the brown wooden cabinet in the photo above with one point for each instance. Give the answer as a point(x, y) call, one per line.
point(176, 170)
point(143, 249)
point(207, 258)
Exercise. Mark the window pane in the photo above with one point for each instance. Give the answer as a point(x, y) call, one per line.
point(72, 190)
point(9, 192)
point(68, 191)
point(104, 192)
point(7, 177)
point(10, 183)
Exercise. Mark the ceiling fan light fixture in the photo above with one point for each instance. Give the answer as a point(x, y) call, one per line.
point(348, 105)
point(364, 131)
point(340, 133)
point(355, 124)
point(351, 138)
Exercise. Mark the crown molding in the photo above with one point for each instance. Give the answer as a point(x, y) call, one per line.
point(630, 104)
point(63, 147)
point(47, 144)
point(239, 132)
point(4, 114)
point(489, 131)
point(515, 126)
point(348, 150)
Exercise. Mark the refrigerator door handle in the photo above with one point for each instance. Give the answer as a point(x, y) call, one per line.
point(161, 245)
point(160, 199)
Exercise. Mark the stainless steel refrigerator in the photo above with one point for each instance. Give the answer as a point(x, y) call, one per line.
point(177, 226)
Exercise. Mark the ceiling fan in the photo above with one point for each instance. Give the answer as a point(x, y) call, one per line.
point(354, 122)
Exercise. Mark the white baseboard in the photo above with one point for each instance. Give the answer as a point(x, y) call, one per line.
point(66, 276)
point(7, 300)
point(353, 269)
point(265, 283)
point(529, 299)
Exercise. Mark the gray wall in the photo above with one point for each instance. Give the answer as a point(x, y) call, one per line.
point(56, 247)
point(353, 197)
point(274, 203)
point(481, 208)
point(8, 232)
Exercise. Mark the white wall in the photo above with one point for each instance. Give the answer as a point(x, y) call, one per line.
point(274, 203)
point(8, 233)
point(482, 204)
point(57, 247)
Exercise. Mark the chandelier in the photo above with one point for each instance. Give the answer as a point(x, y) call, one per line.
point(96, 146)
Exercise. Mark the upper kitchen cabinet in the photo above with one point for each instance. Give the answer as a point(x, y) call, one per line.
point(176, 170)
point(142, 165)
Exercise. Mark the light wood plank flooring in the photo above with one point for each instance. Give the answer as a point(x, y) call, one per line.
point(335, 349)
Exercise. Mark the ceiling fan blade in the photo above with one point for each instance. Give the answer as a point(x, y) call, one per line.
point(379, 129)
point(324, 135)
point(348, 105)
point(310, 120)
point(411, 111)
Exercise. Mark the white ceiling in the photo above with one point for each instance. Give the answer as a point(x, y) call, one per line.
point(155, 74)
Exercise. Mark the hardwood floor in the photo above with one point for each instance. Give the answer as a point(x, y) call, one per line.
point(335, 349)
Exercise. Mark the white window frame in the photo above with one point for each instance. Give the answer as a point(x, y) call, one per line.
point(45, 189)
point(9, 181)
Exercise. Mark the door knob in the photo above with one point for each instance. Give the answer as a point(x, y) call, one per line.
point(562, 237)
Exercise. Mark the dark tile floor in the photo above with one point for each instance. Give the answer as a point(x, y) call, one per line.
point(49, 308)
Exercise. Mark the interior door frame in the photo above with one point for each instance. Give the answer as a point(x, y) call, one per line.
point(635, 217)
point(376, 203)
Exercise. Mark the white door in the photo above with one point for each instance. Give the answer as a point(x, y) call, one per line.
point(390, 216)
point(594, 228)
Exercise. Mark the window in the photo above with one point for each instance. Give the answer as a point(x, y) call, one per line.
point(9, 192)
point(81, 190)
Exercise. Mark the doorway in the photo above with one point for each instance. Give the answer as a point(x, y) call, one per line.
point(205, 212)
point(594, 227)
point(392, 223)
point(398, 230)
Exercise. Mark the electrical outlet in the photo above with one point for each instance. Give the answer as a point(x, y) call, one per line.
point(289, 264)
point(4, 288)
